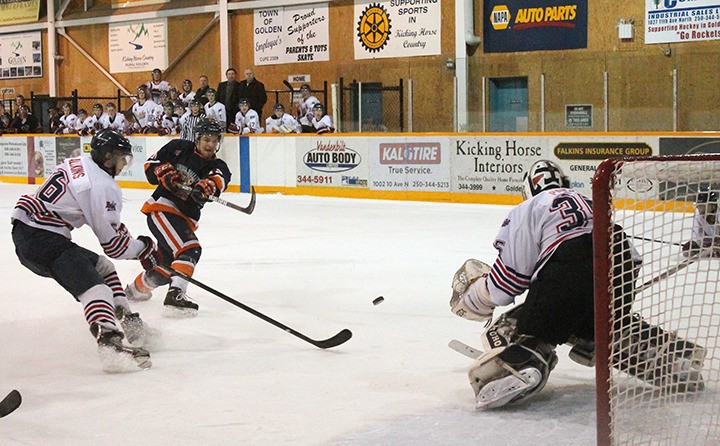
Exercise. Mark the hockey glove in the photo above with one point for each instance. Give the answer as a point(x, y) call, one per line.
point(167, 176)
point(203, 190)
point(149, 256)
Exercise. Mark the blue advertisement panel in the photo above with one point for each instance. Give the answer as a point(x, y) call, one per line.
point(534, 25)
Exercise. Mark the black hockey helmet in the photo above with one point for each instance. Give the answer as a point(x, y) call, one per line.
point(211, 91)
point(305, 87)
point(209, 127)
point(705, 195)
point(279, 106)
point(107, 145)
point(541, 176)
point(319, 106)
point(187, 83)
point(244, 101)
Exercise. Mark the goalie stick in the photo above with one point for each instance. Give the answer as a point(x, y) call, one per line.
point(465, 349)
point(669, 272)
point(340, 338)
point(656, 240)
point(245, 210)
point(10, 403)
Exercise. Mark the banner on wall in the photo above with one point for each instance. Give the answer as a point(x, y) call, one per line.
point(138, 46)
point(410, 164)
point(132, 3)
point(336, 162)
point(532, 25)
point(292, 34)
point(668, 21)
point(392, 28)
point(19, 11)
point(20, 55)
point(14, 156)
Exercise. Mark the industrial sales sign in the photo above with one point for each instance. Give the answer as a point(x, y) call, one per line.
point(397, 28)
point(292, 34)
point(668, 21)
point(532, 25)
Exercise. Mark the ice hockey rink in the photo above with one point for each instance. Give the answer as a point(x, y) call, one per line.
point(228, 378)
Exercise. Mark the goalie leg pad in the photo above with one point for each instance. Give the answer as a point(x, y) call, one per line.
point(659, 357)
point(505, 375)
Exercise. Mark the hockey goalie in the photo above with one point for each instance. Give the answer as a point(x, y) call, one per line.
point(545, 249)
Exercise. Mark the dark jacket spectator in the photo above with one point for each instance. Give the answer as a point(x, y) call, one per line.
point(25, 122)
point(228, 94)
point(254, 91)
point(200, 93)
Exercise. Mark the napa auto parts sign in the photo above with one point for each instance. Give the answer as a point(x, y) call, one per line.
point(532, 25)
point(668, 21)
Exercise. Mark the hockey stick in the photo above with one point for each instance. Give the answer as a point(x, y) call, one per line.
point(245, 210)
point(669, 272)
point(290, 87)
point(465, 349)
point(656, 241)
point(334, 341)
point(10, 403)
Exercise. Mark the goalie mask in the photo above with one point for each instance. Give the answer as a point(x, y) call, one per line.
point(543, 175)
point(706, 201)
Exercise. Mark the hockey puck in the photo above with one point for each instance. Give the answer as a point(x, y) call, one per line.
point(378, 300)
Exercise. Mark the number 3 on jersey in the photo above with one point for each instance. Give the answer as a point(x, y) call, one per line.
point(575, 212)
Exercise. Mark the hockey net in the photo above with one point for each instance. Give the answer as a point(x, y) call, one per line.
point(657, 322)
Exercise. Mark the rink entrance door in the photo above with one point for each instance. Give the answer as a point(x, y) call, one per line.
point(508, 104)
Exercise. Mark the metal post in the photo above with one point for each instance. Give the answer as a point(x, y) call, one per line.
point(675, 99)
point(410, 106)
point(402, 107)
point(607, 102)
point(542, 102)
point(359, 106)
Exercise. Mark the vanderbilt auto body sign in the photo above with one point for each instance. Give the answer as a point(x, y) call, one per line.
point(397, 28)
point(532, 25)
point(335, 162)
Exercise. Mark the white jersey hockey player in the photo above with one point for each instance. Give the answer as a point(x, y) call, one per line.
point(215, 111)
point(80, 127)
point(156, 86)
point(187, 94)
point(705, 238)
point(92, 123)
point(82, 191)
point(321, 122)
point(281, 122)
point(144, 110)
point(305, 106)
point(67, 120)
point(112, 119)
point(247, 120)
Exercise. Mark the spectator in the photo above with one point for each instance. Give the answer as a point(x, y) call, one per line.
point(4, 112)
point(228, 92)
point(214, 110)
point(54, 120)
point(156, 85)
point(112, 119)
point(321, 122)
point(187, 94)
point(254, 91)
point(4, 124)
point(281, 122)
point(200, 94)
point(67, 120)
point(305, 106)
point(92, 123)
point(25, 122)
point(20, 102)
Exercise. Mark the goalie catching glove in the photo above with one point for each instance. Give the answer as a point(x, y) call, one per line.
point(471, 298)
point(203, 190)
point(149, 257)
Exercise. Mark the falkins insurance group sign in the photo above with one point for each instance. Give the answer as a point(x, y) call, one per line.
point(532, 25)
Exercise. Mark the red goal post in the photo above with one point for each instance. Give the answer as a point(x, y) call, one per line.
point(652, 200)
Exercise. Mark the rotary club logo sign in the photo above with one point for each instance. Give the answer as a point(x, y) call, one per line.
point(374, 28)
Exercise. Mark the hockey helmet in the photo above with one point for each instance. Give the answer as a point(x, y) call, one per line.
point(705, 195)
point(211, 91)
point(541, 176)
point(108, 145)
point(187, 83)
point(319, 106)
point(208, 127)
point(279, 107)
point(244, 101)
point(305, 87)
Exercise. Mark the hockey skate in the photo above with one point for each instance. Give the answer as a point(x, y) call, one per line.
point(135, 295)
point(659, 357)
point(137, 332)
point(178, 304)
point(115, 356)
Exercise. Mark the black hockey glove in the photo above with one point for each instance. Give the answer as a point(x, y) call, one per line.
point(149, 257)
point(203, 190)
point(167, 176)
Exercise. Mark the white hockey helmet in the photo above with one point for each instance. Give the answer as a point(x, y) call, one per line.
point(543, 175)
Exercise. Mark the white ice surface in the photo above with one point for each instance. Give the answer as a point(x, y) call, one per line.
point(229, 378)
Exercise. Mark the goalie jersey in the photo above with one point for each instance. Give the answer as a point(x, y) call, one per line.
point(192, 168)
point(530, 234)
point(80, 193)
